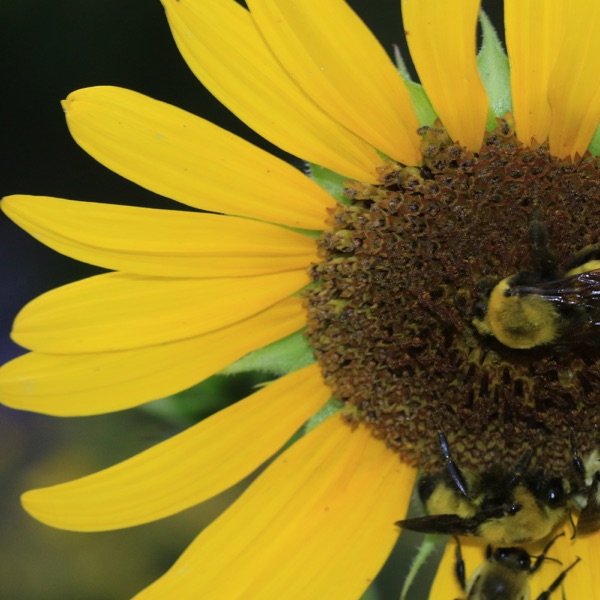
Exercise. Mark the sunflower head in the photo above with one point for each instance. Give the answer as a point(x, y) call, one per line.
point(436, 280)
point(393, 312)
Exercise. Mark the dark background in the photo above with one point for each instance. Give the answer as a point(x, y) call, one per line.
point(50, 48)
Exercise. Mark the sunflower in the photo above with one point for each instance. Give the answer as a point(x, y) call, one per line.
point(363, 276)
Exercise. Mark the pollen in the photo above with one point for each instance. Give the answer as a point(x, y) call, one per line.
point(405, 266)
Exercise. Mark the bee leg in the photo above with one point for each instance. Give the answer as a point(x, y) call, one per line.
point(542, 556)
point(573, 527)
point(459, 566)
point(545, 595)
point(455, 473)
point(578, 465)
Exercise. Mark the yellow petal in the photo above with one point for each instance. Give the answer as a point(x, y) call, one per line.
point(584, 580)
point(74, 385)
point(574, 88)
point(189, 468)
point(318, 523)
point(338, 62)
point(445, 585)
point(118, 311)
point(166, 243)
point(222, 46)
point(442, 42)
point(174, 153)
point(534, 31)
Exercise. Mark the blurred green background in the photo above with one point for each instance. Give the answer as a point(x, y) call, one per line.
point(48, 49)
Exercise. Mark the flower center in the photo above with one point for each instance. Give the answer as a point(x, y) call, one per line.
point(400, 313)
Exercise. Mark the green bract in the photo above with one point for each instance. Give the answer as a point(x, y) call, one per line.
point(284, 356)
point(494, 70)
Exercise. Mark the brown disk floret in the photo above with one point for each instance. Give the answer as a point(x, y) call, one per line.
point(392, 305)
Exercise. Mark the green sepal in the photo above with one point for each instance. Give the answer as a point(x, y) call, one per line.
point(283, 356)
point(401, 64)
point(371, 594)
point(494, 70)
point(330, 408)
point(203, 399)
point(313, 234)
point(333, 183)
point(423, 109)
point(426, 549)
point(594, 146)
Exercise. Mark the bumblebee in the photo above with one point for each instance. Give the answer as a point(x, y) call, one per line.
point(504, 574)
point(505, 507)
point(542, 307)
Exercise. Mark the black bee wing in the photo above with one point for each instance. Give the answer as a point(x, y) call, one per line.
point(577, 298)
point(580, 290)
point(589, 518)
point(578, 333)
point(451, 524)
point(441, 524)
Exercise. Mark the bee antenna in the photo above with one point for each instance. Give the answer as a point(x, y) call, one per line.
point(550, 558)
point(455, 473)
